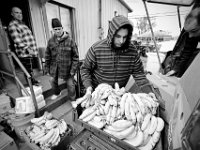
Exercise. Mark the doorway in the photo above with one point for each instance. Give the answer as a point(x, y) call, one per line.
point(5, 11)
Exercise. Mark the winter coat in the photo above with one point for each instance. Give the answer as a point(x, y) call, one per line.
point(62, 55)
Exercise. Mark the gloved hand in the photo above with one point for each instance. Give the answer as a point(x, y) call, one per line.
point(171, 73)
point(88, 94)
point(89, 90)
point(86, 97)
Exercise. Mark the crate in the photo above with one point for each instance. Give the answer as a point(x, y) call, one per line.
point(64, 142)
point(103, 135)
point(86, 140)
point(6, 142)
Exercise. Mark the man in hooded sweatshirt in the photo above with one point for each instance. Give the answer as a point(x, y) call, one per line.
point(61, 59)
point(114, 59)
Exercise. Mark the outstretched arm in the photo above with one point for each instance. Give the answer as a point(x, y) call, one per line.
point(87, 68)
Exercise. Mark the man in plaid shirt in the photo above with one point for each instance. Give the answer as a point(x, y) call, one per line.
point(61, 60)
point(24, 42)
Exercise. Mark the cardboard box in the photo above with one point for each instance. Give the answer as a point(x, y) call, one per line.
point(190, 82)
point(6, 142)
point(186, 101)
point(167, 87)
point(190, 137)
point(37, 90)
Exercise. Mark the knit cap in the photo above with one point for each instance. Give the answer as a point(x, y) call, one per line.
point(56, 23)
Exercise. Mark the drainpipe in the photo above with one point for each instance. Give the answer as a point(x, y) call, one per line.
point(100, 20)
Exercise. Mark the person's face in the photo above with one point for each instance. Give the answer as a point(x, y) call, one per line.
point(120, 37)
point(58, 31)
point(17, 14)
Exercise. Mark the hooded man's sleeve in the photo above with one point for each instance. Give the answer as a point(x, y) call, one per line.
point(87, 68)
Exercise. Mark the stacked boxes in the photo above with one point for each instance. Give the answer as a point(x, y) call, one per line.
point(25, 104)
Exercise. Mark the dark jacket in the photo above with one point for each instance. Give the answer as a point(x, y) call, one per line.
point(187, 51)
point(62, 54)
point(182, 55)
point(103, 64)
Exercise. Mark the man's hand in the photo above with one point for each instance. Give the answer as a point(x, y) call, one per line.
point(86, 99)
point(171, 73)
point(89, 90)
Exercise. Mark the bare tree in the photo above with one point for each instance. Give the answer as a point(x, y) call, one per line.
point(143, 24)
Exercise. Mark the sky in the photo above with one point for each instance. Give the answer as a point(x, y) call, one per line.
point(166, 17)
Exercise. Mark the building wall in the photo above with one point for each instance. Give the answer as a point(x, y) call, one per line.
point(109, 7)
point(38, 22)
point(87, 25)
point(87, 20)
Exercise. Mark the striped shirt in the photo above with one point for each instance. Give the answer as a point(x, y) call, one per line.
point(22, 36)
point(103, 64)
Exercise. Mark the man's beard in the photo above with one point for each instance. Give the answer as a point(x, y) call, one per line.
point(122, 47)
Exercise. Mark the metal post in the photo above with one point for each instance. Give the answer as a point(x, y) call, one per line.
point(29, 82)
point(179, 18)
point(33, 97)
point(13, 71)
point(152, 33)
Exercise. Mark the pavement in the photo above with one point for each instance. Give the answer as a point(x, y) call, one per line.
point(152, 63)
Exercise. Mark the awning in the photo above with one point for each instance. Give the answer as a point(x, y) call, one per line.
point(173, 2)
point(44, 1)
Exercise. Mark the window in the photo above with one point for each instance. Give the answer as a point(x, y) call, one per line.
point(62, 13)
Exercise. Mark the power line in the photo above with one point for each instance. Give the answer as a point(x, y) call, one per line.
point(161, 13)
point(155, 16)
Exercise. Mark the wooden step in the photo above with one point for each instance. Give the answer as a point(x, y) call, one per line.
point(53, 104)
point(12, 90)
point(62, 110)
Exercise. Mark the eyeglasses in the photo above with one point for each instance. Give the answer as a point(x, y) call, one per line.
point(57, 29)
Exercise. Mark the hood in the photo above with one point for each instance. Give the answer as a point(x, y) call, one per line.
point(114, 25)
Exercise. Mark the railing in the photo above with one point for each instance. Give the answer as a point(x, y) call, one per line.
point(18, 82)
